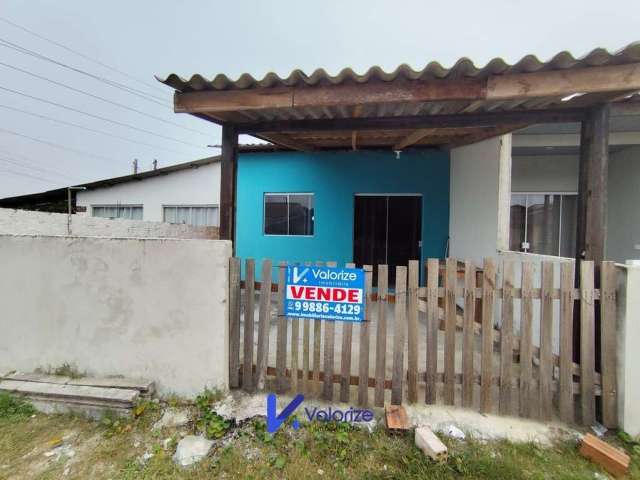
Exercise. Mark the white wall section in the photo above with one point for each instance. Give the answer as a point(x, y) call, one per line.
point(152, 308)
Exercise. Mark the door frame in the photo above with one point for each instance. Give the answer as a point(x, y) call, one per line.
point(383, 194)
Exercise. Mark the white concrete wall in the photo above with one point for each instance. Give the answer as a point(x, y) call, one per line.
point(623, 229)
point(628, 353)
point(23, 222)
point(196, 186)
point(545, 173)
point(152, 308)
point(475, 196)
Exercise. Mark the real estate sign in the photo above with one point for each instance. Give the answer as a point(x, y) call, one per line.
point(327, 293)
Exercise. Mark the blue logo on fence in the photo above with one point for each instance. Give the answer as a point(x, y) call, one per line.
point(274, 421)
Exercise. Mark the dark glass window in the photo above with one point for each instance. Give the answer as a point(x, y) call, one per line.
point(288, 214)
point(543, 223)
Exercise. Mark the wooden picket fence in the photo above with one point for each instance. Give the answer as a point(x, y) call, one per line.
point(512, 377)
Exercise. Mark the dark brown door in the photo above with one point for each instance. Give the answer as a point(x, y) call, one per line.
point(387, 230)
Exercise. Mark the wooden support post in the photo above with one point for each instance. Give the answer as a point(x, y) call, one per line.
point(228, 182)
point(592, 185)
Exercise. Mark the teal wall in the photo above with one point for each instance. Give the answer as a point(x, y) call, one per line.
point(334, 178)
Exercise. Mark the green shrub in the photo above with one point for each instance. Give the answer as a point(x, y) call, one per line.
point(14, 408)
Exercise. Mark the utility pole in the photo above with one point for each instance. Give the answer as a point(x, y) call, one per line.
point(70, 206)
point(155, 163)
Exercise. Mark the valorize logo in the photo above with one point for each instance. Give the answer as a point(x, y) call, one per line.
point(350, 415)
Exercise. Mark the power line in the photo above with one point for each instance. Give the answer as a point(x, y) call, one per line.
point(26, 160)
point(46, 79)
point(63, 122)
point(43, 170)
point(115, 122)
point(13, 172)
point(57, 145)
point(86, 57)
point(134, 91)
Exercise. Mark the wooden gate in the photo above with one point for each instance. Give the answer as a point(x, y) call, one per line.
point(463, 341)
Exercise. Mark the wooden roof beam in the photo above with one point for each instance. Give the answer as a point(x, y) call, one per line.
point(487, 119)
point(414, 137)
point(495, 87)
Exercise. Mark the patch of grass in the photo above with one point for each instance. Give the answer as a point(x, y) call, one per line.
point(12, 408)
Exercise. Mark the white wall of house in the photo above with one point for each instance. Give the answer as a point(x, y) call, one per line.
point(559, 173)
point(480, 184)
point(623, 233)
point(194, 186)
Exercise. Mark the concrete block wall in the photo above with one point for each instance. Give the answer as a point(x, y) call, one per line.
point(23, 222)
point(152, 308)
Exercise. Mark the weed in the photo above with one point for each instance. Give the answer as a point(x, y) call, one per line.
point(209, 422)
point(64, 370)
point(12, 408)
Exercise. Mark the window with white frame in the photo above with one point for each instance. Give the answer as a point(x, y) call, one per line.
point(288, 214)
point(544, 223)
point(195, 215)
point(129, 212)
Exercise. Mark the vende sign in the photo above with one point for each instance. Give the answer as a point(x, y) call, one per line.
point(325, 293)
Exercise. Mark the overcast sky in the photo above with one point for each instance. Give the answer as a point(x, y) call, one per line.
point(147, 38)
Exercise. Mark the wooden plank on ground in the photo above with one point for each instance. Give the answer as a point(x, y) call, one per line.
point(412, 331)
point(264, 317)
point(432, 330)
point(546, 338)
point(234, 322)
point(396, 417)
point(249, 296)
point(79, 394)
point(468, 375)
point(613, 460)
point(450, 285)
point(506, 340)
point(399, 326)
point(329, 353)
point(587, 344)
point(488, 287)
point(565, 396)
point(381, 335)
point(345, 354)
point(526, 340)
point(281, 333)
point(363, 363)
point(608, 344)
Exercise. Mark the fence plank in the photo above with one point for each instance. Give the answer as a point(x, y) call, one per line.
point(468, 375)
point(249, 297)
point(306, 334)
point(432, 330)
point(506, 340)
point(412, 331)
point(295, 340)
point(317, 341)
point(567, 276)
point(381, 335)
point(587, 343)
point(264, 317)
point(488, 287)
point(608, 344)
point(281, 335)
point(234, 322)
point(526, 340)
point(399, 326)
point(345, 361)
point(363, 364)
point(546, 337)
point(329, 350)
point(450, 284)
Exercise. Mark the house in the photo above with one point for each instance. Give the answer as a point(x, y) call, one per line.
point(387, 166)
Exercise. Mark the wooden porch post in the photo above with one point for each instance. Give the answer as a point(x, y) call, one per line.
point(228, 182)
point(592, 186)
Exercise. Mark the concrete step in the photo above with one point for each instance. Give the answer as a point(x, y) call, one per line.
point(90, 396)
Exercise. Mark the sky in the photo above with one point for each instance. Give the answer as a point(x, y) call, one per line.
point(53, 135)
